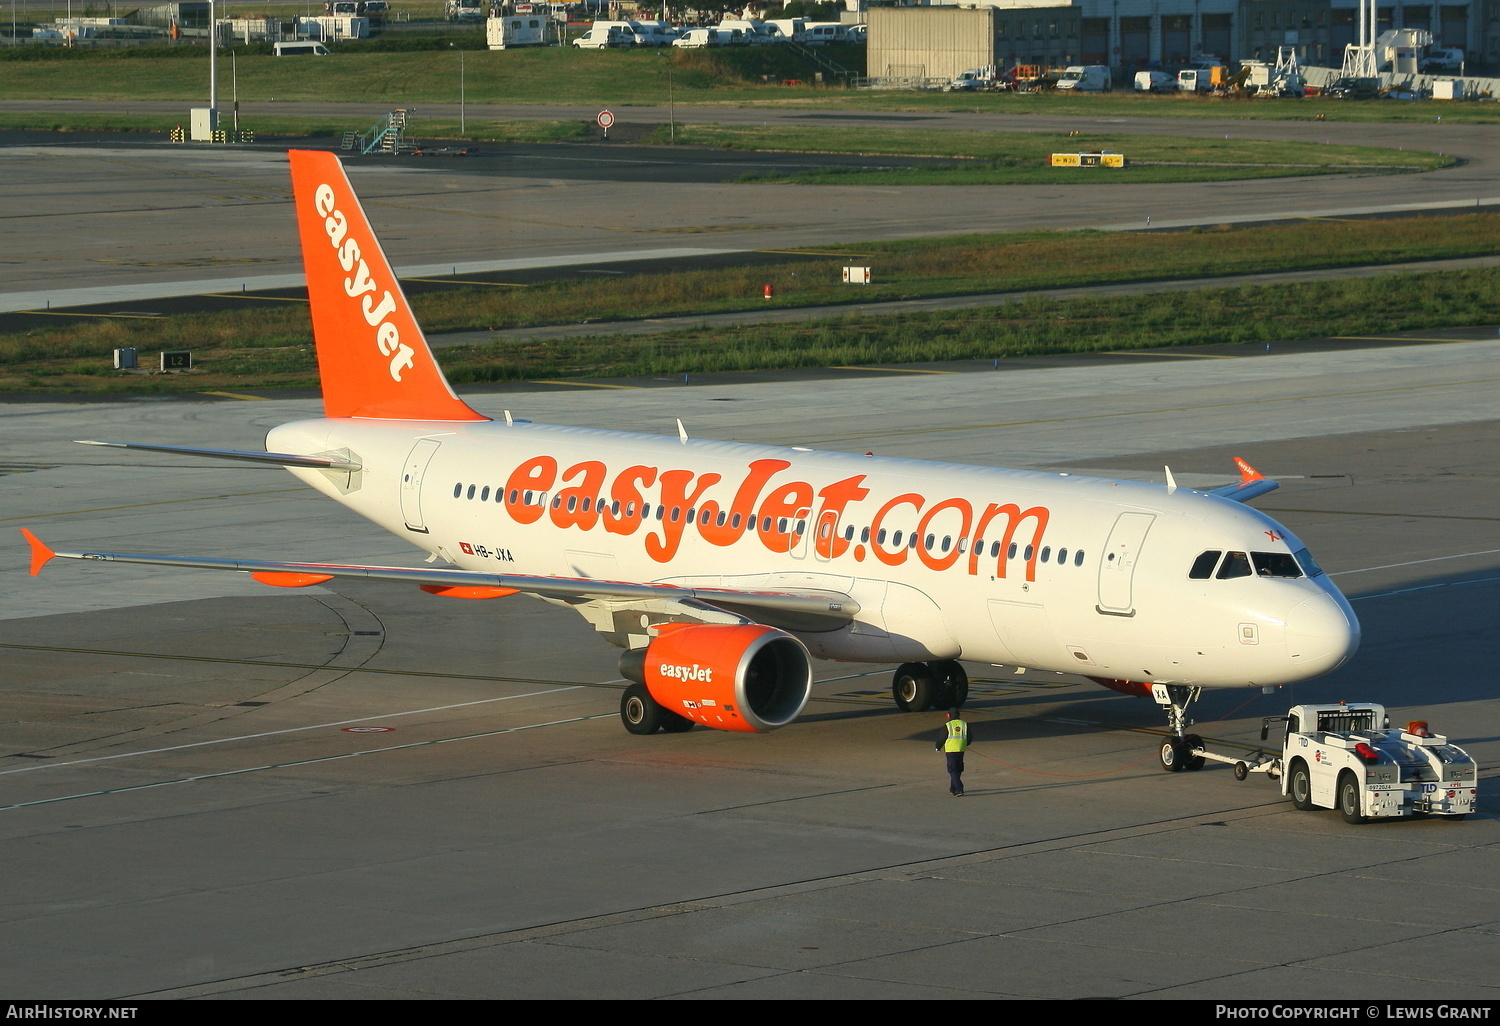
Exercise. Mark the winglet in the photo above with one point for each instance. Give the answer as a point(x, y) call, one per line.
point(1247, 472)
point(372, 357)
point(1251, 483)
point(40, 553)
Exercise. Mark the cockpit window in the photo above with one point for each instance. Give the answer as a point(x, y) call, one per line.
point(1309, 565)
point(1276, 564)
point(1236, 564)
point(1203, 566)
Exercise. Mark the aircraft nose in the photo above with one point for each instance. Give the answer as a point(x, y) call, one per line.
point(1321, 633)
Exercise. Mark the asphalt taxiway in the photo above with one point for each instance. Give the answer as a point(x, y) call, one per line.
point(213, 789)
point(98, 222)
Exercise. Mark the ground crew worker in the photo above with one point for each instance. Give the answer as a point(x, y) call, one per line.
point(954, 741)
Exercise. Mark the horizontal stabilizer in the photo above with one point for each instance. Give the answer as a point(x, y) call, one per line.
point(455, 582)
point(277, 459)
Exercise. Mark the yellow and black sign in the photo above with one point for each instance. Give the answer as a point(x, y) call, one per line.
point(1088, 160)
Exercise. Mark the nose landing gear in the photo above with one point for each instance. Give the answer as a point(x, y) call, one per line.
point(1182, 751)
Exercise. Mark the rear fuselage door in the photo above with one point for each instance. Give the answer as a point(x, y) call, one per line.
point(1117, 567)
point(411, 483)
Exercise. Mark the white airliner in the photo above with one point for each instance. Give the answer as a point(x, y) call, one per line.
point(721, 568)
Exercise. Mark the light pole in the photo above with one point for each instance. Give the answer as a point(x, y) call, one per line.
point(462, 123)
point(213, 60)
point(671, 102)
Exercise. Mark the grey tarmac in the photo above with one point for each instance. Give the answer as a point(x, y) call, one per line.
point(213, 789)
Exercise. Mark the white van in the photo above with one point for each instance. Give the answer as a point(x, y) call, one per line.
point(697, 39)
point(821, 33)
point(310, 48)
point(1086, 78)
point(752, 33)
point(793, 29)
point(652, 33)
point(1154, 82)
point(605, 34)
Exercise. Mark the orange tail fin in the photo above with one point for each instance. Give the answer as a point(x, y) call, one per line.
point(372, 357)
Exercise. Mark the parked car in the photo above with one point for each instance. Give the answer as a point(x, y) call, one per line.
point(1353, 88)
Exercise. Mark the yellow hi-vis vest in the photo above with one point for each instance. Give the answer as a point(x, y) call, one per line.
point(958, 736)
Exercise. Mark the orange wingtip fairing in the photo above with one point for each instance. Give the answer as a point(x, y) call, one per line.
point(1247, 472)
point(289, 578)
point(466, 591)
point(40, 553)
point(372, 357)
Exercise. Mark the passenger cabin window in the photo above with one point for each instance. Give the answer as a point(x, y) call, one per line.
point(1203, 566)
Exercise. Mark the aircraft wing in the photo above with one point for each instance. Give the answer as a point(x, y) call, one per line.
point(333, 461)
point(476, 584)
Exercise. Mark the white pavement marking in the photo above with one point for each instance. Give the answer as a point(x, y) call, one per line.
point(292, 730)
point(300, 762)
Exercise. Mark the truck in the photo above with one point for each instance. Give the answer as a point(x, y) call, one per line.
point(1086, 78)
point(518, 30)
point(464, 10)
point(1346, 756)
point(972, 80)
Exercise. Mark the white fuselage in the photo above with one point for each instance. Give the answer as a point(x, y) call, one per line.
point(1051, 571)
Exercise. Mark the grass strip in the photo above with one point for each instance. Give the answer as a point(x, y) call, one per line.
point(442, 129)
point(263, 347)
point(1020, 158)
point(618, 79)
point(1034, 326)
point(965, 265)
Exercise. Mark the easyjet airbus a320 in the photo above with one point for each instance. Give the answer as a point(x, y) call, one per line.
point(721, 569)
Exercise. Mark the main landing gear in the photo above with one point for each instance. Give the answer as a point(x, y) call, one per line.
point(643, 714)
point(1182, 751)
point(938, 685)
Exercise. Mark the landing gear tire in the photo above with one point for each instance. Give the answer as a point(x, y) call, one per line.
point(913, 687)
point(641, 713)
point(671, 723)
point(952, 684)
point(1299, 786)
point(1241, 771)
point(1189, 745)
point(1171, 755)
point(1349, 800)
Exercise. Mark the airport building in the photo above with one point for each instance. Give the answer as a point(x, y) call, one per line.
point(942, 40)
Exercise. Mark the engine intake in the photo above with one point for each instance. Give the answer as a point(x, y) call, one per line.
point(727, 676)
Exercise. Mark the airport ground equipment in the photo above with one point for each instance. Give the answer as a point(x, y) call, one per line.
point(1346, 756)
